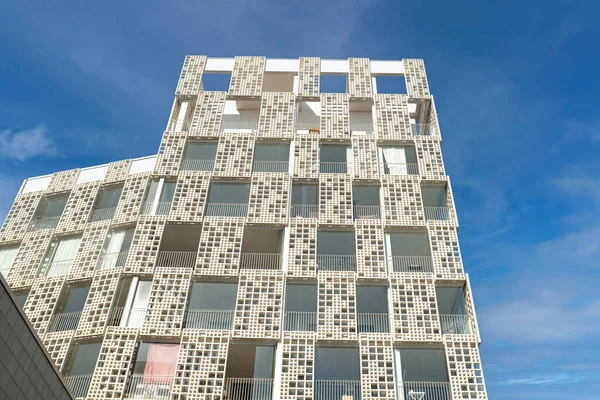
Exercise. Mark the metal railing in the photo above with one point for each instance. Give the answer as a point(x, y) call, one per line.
point(373, 322)
point(361, 127)
point(304, 211)
point(162, 208)
point(260, 261)
point(336, 262)
point(399, 168)
point(57, 268)
point(437, 213)
point(111, 260)
point(176, 259)
point(102, 214)
point(149, 387)
point(411, 263)
point(226, 210)
point(37, 224)
point(326, 167)
point(423, 129)
point(270, 166)
point(79, 384)
point(147, 207)
point(455, 324)
point(209, 319)
point(197, 165)
point(336, 390)
point(185, 125)
point(134, 319)
point(300, 321)
point(424, 391)
point(64, 321)
point(307, 126)
point(248, 389)
point(367, 212)
point(239, 125)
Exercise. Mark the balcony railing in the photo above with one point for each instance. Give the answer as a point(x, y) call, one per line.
point(185, 125)
point(367, 212)
point(411, 263)
point(248, 389)
point(209, 319)
point(423, 130)
point(361, 127)
point(437, 213)
point(239, 125)
point(226, 210)
point(162, 208)
point(300, 321)
point(44, 223)
point(304, 211)
point(335, 262)
point(260, 261)
point(198, 165)
point(176, 259)
point(134, 319)
point(149, 387)
point(399, 168)
point(307, 126)
point(57, 268)
point(373, 322)
point(79, 384)
point(112, 260)
point(270, 166)
point(424, 391)
point(64, 321)
point(102, 214)
point(326, 167)
point(455, 324)
point(337, 390)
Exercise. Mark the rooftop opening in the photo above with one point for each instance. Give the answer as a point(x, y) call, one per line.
point(334, 83)
point(278, 82)
point(390, 84)
point(212, 82)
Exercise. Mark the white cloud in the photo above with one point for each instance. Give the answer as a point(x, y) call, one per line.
point(25, 144)
point(554, 379)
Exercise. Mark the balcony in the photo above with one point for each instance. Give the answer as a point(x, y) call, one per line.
point(336, 390)
point(455, 324)
point(233, 125)
point(180, 125)
point(112, 260)
point(248, 389)
point(149, 387)
point(37, 224)
point(271, 261)
point(197, 165)
point(300, 321)
point(307, 127)
point(102, 214)
point(134, 319)
point(367, 212)
point(326, 167)
point(209, 319)
point(67, 321)
point(304, 211)
point(373, 322)
point(424, 391)
point(437, 213)
point(176, 259)
point(226, 210)
point(78, 384)
point(411, 263)
point(423, 129)
point(57, 268)
point(270, 166)
point(162, 208)
point(399, 168)
point(336, 262)
point(361, 127)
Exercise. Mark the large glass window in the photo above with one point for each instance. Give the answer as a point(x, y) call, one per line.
point(7, 258)
point(271, 157)
point(422, 365)
point(61, 256)
point(301, 297)
point(335, 159)
point(337, 364)
point(83, 359)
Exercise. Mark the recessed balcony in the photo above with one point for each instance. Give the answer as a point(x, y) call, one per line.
point(422, 374)
point(435, 203)
point(398, 160)
point(199, 156)
point(211, 306)
point(249, 372)
point(305, 200)
point(48, 212)
point(300, 307)
point(451, 305)
point(261, 249)
point(336, 251)
point(410, 252)
point(228, 200)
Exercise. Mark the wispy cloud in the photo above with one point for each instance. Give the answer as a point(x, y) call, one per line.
point(26, 144)
point(556, 379)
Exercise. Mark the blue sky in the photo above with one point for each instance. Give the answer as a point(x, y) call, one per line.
point(517, 90)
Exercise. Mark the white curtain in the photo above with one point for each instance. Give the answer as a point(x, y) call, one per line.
point(7, 257)
point(394, 159)
point(350, 160)
point(63, 256)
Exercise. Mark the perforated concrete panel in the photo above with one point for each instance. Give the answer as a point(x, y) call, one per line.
point(234, 155)
point(337, 306)
point(359, 78)
point(114, 362)
point(170, 154)
point(464, 368)
point(190, 79)
point(370, 250)
point(276, 118)
point(429, 153)
point(247, 77)
point(190, 196)
point(258, 307)
point(78, 207)
point(200, 373)
point(97, 305)
point(415, 308)
point(269, 196)
point(30, 255)
point(57, 344)
point(167, 302)
point(392, 117)
point(309, 76)
point(365, 165)
point(20, 214)
point(416, 78)
point(402, 201)
point(377, 366)
point(128, 207)
point(206, 121)
point(62, 181)
point(335, 199)
point(41, 301)
point(220, 246)
point(335, 117)
point(90, 248)
point(145, 244)
point(445, 252)
point(297, 370)
point(306, 157)
point(117, 172)
point(302, 253)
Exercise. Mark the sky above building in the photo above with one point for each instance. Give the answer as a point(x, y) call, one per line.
point(517, 89)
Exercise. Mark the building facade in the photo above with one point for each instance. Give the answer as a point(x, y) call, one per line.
point(284, 243)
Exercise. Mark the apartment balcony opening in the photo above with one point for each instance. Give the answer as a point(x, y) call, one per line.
point(159, 197)
point(228, 200)
point(262, 249)
point(116, 248)
point(335, 159)
point(409, 252)
point(153, 371)
point(398, 160)
point(337, 373)
point(181, 118)
point(249, 372)
point(336, 251)
point(215, 81)
point(48, 212)
point(308, 117)
point(211, 305)
point(60, 256)
point(131, 305)
point(69, 308)
point(305, 200)
point(106, 203)
point(301, 307)
point(372, 312)
point(241, 116)
point(334, 83)
point(271, 157)
point(435, 204)
point(79, 368)
point(366, 202)
point(200, 155)
point(361, 119)
point(179, 246)
point(454, 319)
point(390, 84)
point(8, 254)
point(421, 374)
point(21, 297)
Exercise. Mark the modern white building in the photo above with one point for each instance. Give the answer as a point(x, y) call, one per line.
point(284, 243)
